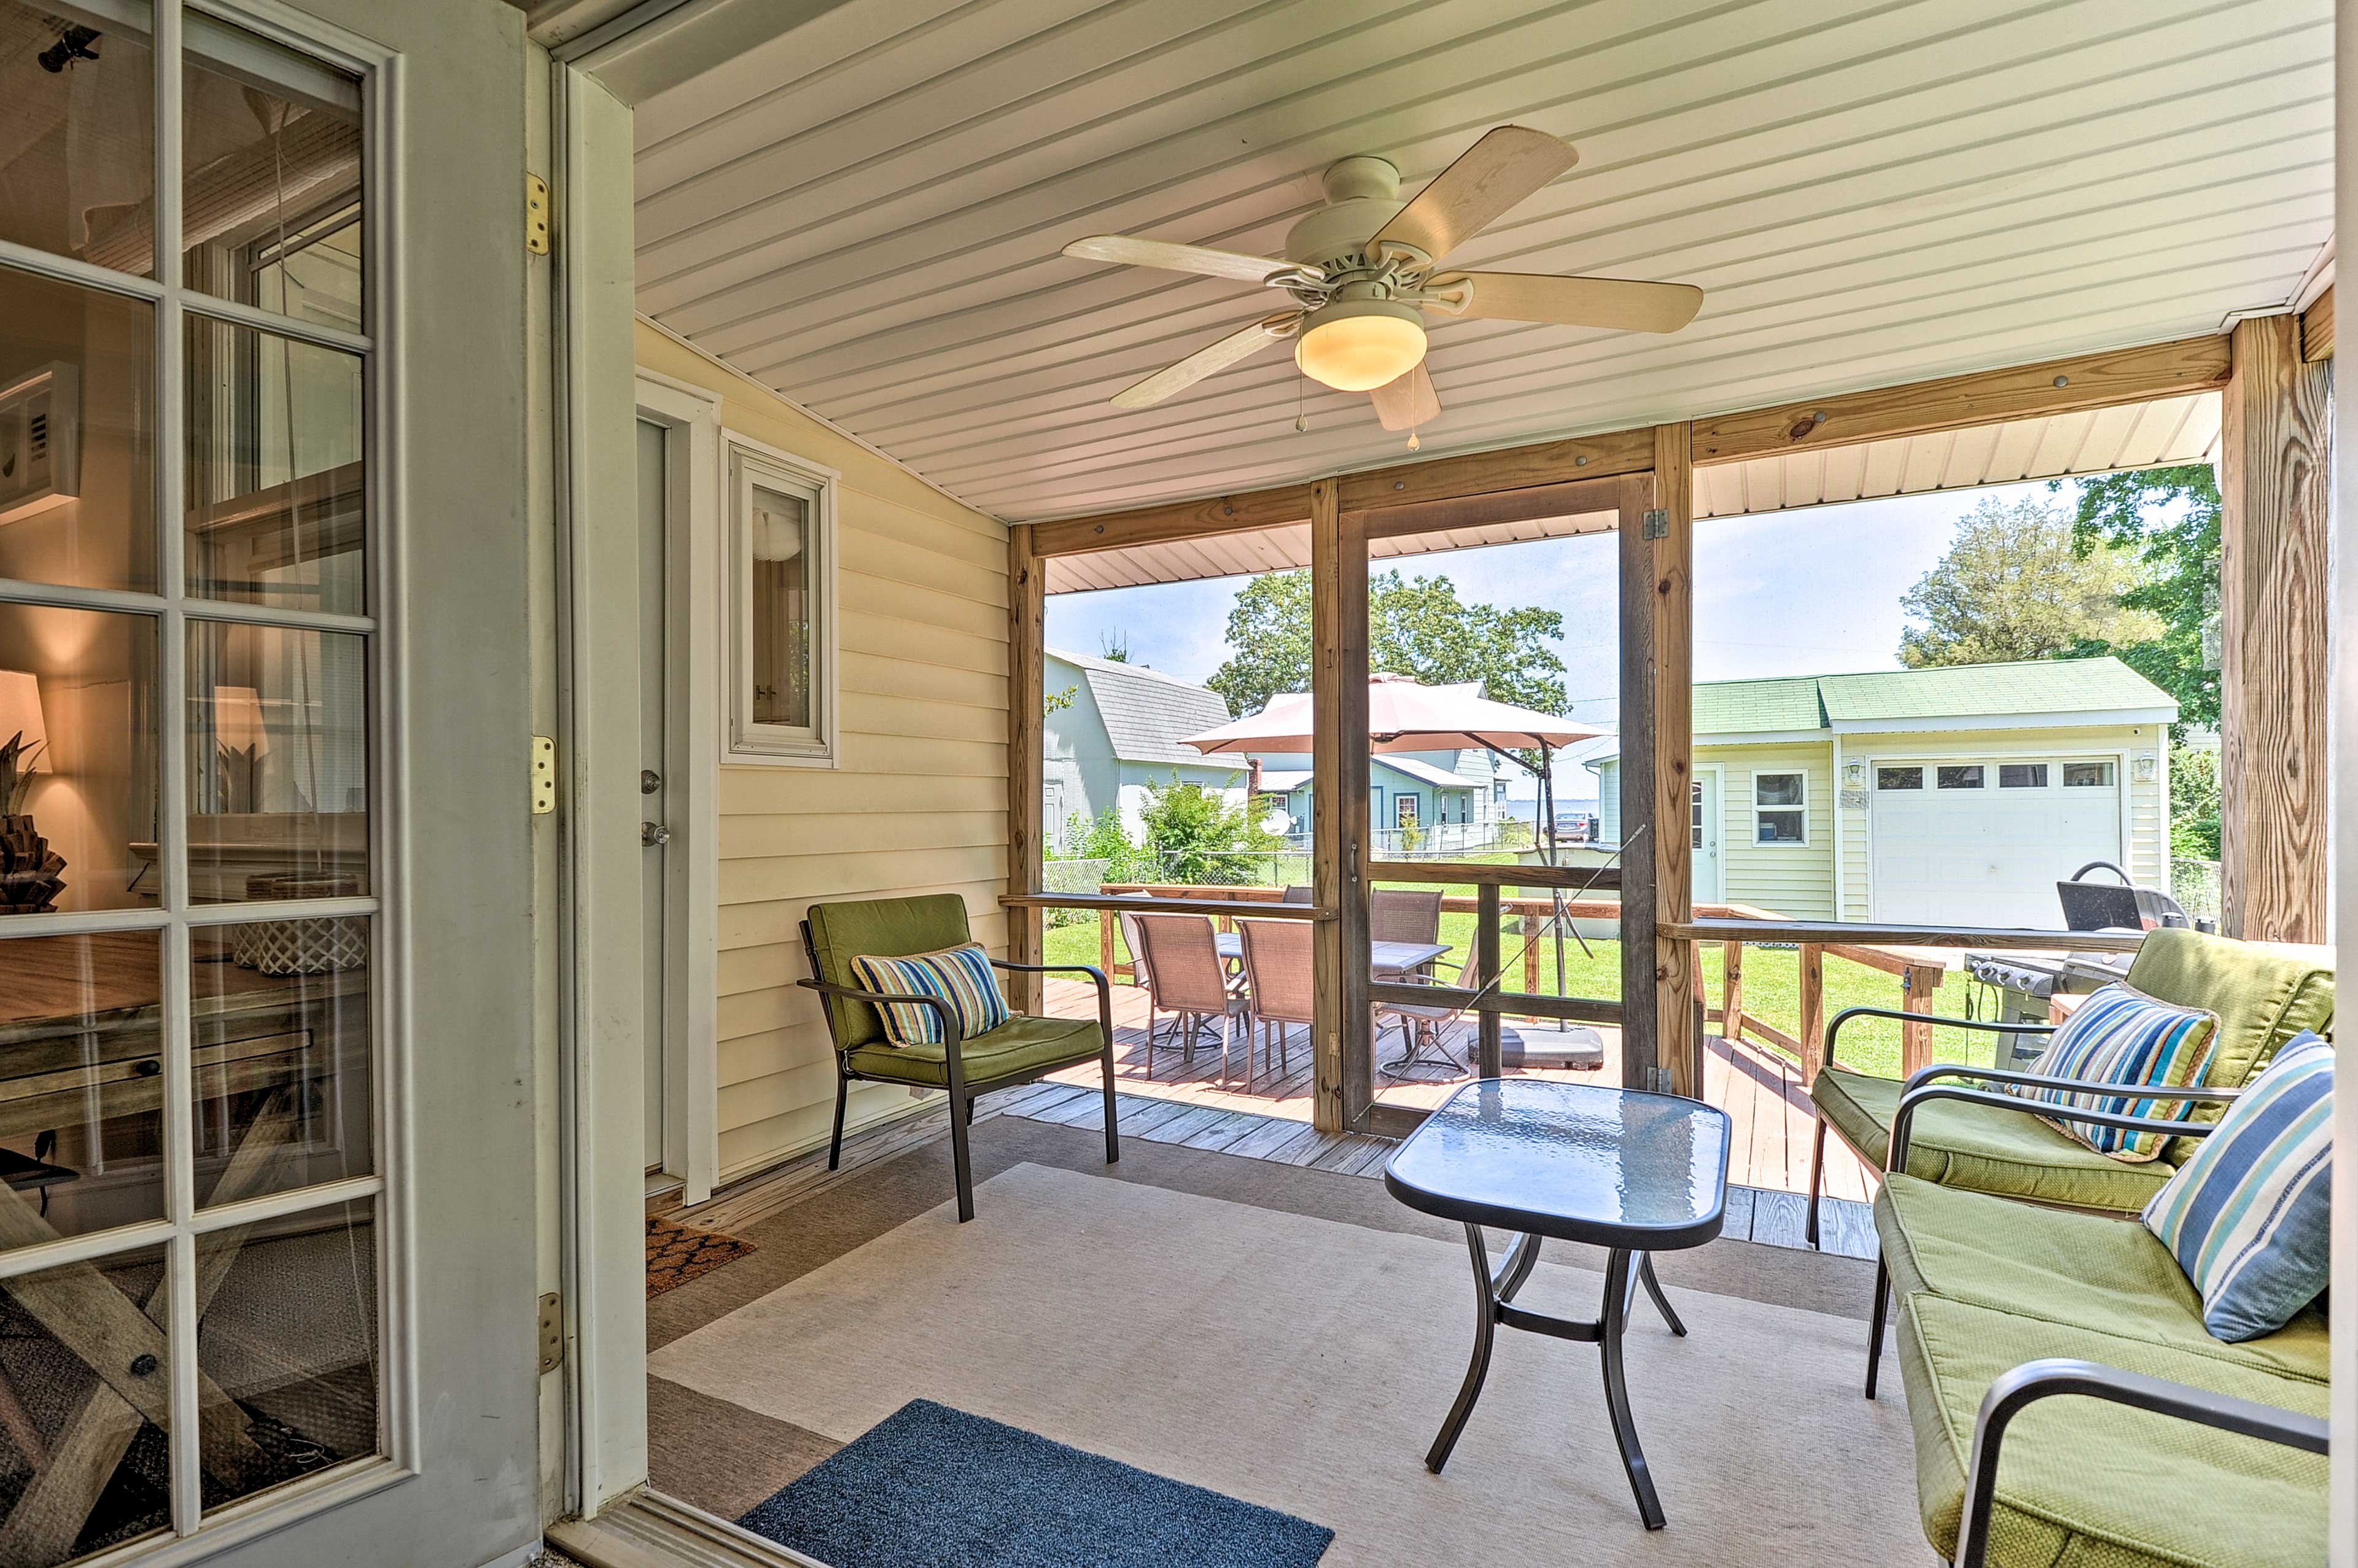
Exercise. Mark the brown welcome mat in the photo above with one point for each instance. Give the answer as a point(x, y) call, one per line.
point(676, 1254)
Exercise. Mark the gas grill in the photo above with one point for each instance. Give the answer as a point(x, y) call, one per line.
point(2020, 982)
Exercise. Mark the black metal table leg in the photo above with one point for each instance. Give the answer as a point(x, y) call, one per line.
point(1486, 1330)
point(1654, 1289)
point(1618, 1288)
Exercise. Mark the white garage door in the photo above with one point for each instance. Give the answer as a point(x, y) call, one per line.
point(1961, 842)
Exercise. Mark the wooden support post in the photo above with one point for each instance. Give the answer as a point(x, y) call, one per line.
point(2274, 478)
point(1813, 1012)
point(1917, 984)
point(1342, 1071)
point(1529, 927)
point(1105, 942)
point(1027, 788)
point(1657, 769)
point(1490, 1061)
point(1731, 1023)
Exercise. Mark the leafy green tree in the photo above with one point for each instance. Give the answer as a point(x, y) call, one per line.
point(2019, 582)
point(2168, 519)
point(1200, 837)
point(1416, 627)
point(2194, 803)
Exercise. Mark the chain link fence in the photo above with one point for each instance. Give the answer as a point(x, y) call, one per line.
point(2195, 884)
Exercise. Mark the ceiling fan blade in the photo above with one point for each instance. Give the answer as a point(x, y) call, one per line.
point(1217, 356)
point(1405, 404)
point(1611, 302)
point(1506, 165)
point(1132, 251)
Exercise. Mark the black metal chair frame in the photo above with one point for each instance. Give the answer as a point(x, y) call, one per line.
point(1834, 1030)
point(961, 1093)
point(2023, 1386)
point(1921, 1091)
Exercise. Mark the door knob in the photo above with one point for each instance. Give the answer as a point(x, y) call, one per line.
point(651, 834)
point(650, 781)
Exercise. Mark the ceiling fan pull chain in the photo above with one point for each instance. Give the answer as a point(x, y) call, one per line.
point(1301, 412)
point(1412, 442)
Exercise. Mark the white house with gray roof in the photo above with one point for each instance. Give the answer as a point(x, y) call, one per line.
point(1119, 732)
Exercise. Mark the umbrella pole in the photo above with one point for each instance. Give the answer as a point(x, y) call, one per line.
point(1555, 895)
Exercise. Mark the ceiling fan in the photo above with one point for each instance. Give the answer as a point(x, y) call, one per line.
point(1363, 269)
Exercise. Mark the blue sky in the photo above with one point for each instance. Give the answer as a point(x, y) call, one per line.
point(1814, 591)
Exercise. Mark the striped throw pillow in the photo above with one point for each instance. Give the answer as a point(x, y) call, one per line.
point(961, 977)
point(2246, 1215)
point(2122, 1040)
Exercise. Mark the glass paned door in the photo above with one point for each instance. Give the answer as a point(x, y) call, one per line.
point(192, 1001)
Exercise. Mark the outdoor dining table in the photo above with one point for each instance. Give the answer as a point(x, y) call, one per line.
point(1628, 1171)
point(1386, 960)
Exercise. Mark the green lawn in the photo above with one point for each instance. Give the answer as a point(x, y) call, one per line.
point(1771, 985)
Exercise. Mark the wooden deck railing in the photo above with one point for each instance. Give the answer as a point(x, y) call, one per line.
point(1734, 926)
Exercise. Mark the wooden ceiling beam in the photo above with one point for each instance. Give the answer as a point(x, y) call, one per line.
point(1984, 397)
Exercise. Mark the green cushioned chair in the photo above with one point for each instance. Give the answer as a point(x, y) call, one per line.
point(2177, 1451)
point(1017, 1052)
point(2262, 998)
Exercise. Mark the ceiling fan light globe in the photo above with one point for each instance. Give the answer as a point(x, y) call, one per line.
point(1358, 346)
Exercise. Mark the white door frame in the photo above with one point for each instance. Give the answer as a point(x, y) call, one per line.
point(692, 498)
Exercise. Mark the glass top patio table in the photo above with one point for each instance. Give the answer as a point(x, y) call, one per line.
point(1386, 960)
point(1573, 1162)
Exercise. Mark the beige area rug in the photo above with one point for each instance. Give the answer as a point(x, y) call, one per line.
point(1305, 1364)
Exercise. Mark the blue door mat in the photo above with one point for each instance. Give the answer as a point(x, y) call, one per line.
point(930, 1487)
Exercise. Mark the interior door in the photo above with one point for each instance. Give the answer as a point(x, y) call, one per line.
point(654, 834)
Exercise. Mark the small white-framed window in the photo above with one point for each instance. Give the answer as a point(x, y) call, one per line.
point(781, 582)
point(1781, 812)
point(2022, 775)
point(2087, 775)
point(1904, 777)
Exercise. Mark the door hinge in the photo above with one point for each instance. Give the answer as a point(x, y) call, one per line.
point(1658, 524)
point(544, 776)
point(535, 214)
point(552, 1331)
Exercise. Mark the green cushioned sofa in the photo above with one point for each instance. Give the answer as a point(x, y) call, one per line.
point(1017, 1052)
point(2263, 997)
point(2176, 1450)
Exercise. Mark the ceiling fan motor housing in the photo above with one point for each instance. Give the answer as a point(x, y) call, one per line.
point(1362, 196)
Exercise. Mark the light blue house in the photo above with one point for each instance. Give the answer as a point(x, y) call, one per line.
point(1116, 729)
point(1435, 800)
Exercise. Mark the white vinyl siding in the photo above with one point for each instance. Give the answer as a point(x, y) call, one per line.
point(917, 801)
point(1795, 880)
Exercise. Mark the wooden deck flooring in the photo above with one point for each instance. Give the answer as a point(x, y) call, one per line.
point(1753, 1214)
point(1760, 1089)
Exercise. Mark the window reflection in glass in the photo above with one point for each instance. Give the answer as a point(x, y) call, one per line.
point(270, 177)
point(1899, 778)
point(77, 436)
point(780, 529)
point(77, 760)
point(280, 1012)
point(77, 124)
point(2087, 775)
point(1964, 776)
point(82, 1084)
point(276, 497)
point(2022, 775)
point(290, 1338)
point(86, 1360)
point(278, 763)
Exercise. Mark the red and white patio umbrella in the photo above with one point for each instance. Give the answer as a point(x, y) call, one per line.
point(1403, 715)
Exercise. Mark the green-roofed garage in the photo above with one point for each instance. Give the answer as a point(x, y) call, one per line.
point(1950, 797)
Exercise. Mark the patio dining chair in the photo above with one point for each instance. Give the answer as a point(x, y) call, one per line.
point(1282, 987)
point(1019, 1050)
point(1404, 915)
point(1299, 892)
point(1134, 940)
point(1424, 1025)
point(1186, 978)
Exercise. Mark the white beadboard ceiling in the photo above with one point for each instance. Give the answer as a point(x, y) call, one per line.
point(865, 213)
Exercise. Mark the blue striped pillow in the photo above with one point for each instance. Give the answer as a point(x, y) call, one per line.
point(2121, 1039)
point(2246, 1214)
point(961, 977)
